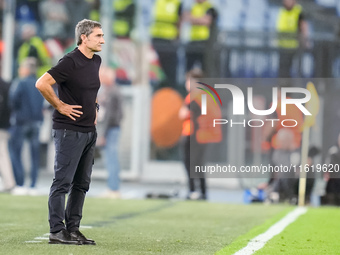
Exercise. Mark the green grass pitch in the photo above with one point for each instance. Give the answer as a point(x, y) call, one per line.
point(155, 227)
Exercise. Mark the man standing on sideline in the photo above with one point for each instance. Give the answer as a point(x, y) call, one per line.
point(26, 118)
point(74, 130)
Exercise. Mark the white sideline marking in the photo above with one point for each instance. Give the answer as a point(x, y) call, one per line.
point(44, 237)
point(41, 238)
point(259, 241)
point(85, 227)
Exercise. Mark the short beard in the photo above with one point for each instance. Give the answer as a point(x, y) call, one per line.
point(95, 50)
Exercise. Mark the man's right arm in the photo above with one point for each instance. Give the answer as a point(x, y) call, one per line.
point(44, 85)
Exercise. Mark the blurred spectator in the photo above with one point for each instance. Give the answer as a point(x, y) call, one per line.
point(55, 18)
point(284, 144)
point(6, 171)
point(285, 154)
point(33, 46)
point(2, 9)
point(332, 177)
point(124, 13)
point(80, 9)
point(95, 9)
point(203, 34)
point(124, 49)
point(292, 26)
point(109, 118)
point(279, 188)
point(164, 33)
point(26, 118)
point(197, 133)
point(271, 129)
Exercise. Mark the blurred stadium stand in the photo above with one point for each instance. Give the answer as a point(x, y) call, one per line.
point(247, 48)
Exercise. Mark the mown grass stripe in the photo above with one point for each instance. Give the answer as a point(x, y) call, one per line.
point(317, 232)
point(125, 216)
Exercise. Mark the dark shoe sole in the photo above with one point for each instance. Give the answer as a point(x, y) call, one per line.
point(87, 243)
point(68, 243)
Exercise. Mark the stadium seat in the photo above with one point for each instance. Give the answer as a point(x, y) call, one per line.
point(252, 16)
point(229, 15)
point(254, 20)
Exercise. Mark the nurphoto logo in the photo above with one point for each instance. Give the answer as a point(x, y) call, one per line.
point(279, 96)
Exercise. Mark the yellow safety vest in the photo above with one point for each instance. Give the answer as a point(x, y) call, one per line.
point(165, 19)
point(95, 15)
point(43, 56)
point(120, 25)
point(200, 33)
point(288, 22)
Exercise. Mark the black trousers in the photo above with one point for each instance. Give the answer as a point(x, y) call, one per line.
point(195, 52)
point(286, 63)
point(332, 196)
point(194, 156)
point(167, 55)
point(72, 174)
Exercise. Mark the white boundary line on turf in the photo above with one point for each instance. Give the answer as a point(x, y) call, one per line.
point(259, 241)
point(41, 238)
point(85, 227)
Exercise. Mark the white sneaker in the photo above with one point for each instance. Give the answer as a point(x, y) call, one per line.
point(111, 194)
point(274, 197)
point(32, 192)
point(194, 195)
point(19, 191)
